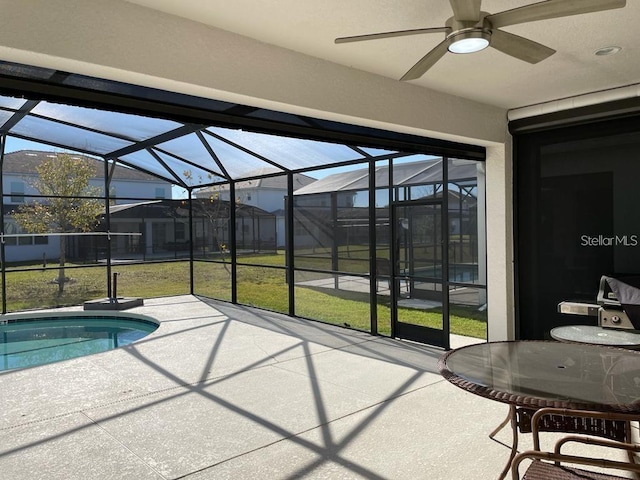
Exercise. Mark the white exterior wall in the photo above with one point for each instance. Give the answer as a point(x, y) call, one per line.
point(25, 180)
point(124, 188)
point(500, 255)
point(70, 35)
point(268, 199)
point(281, 231)
point(29, 253)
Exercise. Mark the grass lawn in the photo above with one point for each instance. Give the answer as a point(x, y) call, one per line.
point(267, 288)
point(353, 309)
point(36, 288)
point(257, 286)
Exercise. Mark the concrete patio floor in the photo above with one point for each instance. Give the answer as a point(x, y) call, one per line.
point(220, 391)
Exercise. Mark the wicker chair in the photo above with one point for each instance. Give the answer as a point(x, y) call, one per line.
point(555, 465)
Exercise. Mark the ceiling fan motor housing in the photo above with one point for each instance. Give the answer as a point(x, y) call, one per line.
point(468, 36)
point(456, 25)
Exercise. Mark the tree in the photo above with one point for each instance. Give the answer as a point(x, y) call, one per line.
point(217, 212)
point(63, 180)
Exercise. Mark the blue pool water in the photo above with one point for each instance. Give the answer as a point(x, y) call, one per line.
point(27, 342)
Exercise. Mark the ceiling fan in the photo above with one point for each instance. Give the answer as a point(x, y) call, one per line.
point(471, 30)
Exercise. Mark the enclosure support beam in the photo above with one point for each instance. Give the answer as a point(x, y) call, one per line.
point(393, 251)
point(373, 249)
point(289, 247)
point(107, 220)
point(446, 323)
point(334, 239)
point(191, 237)
point(234, 242)
point(3, 141)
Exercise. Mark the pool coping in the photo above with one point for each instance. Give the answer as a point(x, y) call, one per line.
point(9, 318)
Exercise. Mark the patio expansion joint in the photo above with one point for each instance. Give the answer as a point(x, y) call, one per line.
point(307, 430)
point(129, 399)
point(41, 420)
point(324, 351)
point(282, 366)
point(303, 355)
point(122, 445)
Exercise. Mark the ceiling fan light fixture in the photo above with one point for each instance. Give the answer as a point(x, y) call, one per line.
point(469, 40)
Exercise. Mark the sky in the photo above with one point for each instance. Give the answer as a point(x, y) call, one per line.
point(15, 144)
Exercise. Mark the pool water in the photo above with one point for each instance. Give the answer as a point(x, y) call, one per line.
point(27, 342)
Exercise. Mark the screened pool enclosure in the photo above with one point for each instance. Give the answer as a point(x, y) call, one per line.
point(381, 239)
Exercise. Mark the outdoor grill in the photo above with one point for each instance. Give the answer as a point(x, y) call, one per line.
point(617, 304)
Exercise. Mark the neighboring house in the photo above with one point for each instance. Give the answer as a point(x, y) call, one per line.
point(267, 194)
point(18, 176)
point(334, 210)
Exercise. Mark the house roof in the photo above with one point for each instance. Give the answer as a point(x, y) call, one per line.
point(123, 207)
point(423, 172)
point(166, 208)
point(277, 182)
point(25, 162)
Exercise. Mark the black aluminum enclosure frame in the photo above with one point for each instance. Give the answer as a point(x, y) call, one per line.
point(40, 84)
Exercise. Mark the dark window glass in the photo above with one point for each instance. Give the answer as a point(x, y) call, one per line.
point(577, 218)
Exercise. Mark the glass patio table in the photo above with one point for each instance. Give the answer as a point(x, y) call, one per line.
point(597, 335)
point(529, 375)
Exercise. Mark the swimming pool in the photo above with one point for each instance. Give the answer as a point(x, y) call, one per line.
point(30, 340)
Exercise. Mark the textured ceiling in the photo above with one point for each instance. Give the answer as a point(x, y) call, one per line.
point(490, 76)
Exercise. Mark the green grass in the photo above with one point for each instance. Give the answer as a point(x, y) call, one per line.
point(36, 288)
point(340, 307)
point(267, 288)
point(257, 286)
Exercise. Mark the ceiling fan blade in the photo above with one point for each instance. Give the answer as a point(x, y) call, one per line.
point(466, 10)
point(551, 9)
point(398, 33)
point(426, 62)
point(520, 47)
